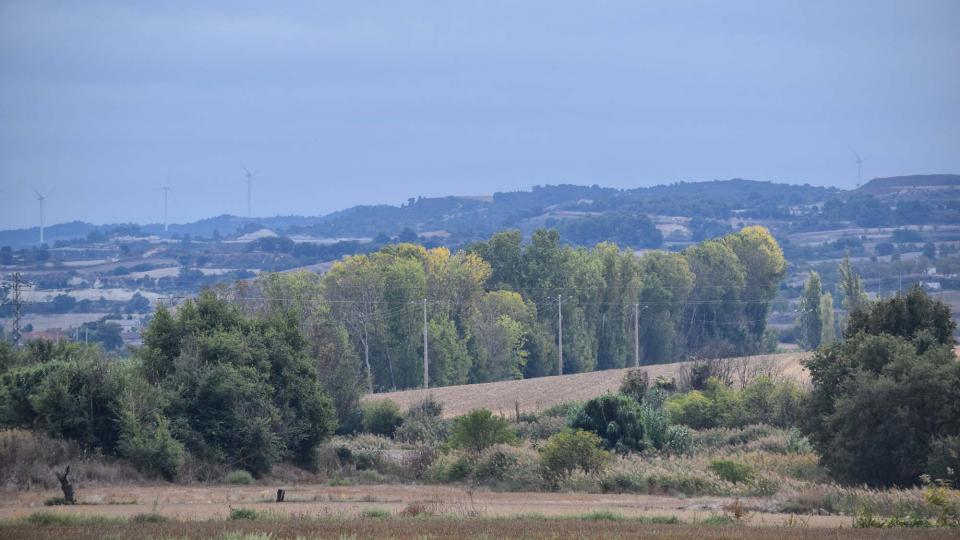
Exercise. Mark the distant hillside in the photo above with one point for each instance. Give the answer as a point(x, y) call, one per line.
point(225, 225)
point(916, 180)
point(915, 187)
point(584, 215)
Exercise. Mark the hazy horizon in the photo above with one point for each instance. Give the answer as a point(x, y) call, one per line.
point(331, 106)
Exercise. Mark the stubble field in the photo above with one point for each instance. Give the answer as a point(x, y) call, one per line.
point(532, 395)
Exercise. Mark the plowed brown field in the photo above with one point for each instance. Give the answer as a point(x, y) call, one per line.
point(543, 392)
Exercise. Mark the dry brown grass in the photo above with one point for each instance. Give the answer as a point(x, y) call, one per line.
point(544, 392)
point(27, 460)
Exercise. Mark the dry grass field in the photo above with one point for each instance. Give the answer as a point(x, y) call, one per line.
point(543, 392)
point(405, 511)
point(206, 502)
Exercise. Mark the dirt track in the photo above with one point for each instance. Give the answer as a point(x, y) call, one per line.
point(191, 503)
point(543, 392)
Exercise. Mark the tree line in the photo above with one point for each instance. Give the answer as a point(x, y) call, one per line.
point(493, 310)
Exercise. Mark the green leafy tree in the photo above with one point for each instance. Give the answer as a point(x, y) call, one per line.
point(828, 332)
point(809, 320)
point(886, 392)
point(240, 390)
point(765, 266)
point(150, 445)
point(851, 289)
point(913, 315)
point(299, 296)
point(79, 400)
point(501, 323)
point(714, 310)
point(450, 359)
point(480, 429)
point(666, 285)
point(504, 254)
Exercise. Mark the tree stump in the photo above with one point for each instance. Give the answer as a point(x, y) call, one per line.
point(66, 486)
point(281, 494)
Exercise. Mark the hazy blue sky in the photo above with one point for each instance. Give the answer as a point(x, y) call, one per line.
point(338, 103)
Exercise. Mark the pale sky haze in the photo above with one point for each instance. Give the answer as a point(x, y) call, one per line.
point(332, 104)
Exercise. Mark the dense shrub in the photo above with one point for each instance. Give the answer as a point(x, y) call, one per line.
point(480, 429)
point(210, 384)
point(452, 467)
point(571, 450)
point(539, 427)
point(879, 401)
point(615, 418)
point(635, 384)
point(722, 438)
point(381, 417)
point(508, 466)
point(731, 471)
point(78, 400)
point(150, 445)
point(238, 389)
point(692, 409)
point(423, 424)
point(678, 441)
point(242, 478)
point(760, 402)
point(943, 461)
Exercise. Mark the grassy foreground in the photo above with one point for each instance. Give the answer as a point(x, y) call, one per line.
point(597, 525)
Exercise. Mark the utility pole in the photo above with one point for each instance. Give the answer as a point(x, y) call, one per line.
point(426, 353)
point(636, 335)
point(559, 335)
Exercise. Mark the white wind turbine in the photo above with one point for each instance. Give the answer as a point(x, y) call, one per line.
point(41, 199)
point(859, 167)
point(166, 191)
point(249, 176)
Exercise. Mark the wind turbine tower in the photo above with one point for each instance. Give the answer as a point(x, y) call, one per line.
point(860, 167)
point(40, 198)
point(166, 191)
point(249, 176)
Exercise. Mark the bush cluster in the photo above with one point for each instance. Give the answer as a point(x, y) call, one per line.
point(761, 402)
point(210, 382)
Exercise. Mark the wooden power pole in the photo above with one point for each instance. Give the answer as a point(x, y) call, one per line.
point(559, 335)
point(426, 353)
point(636, 335)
